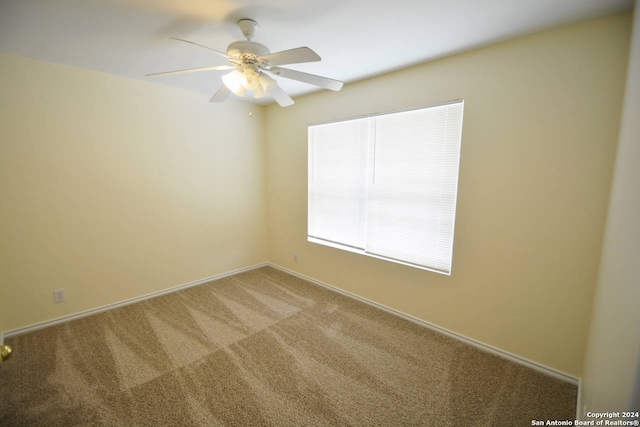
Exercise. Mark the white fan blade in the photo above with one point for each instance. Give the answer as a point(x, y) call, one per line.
point(279, 95)
point(193, 70)
point(224, 55)
point(308, 78)
point(221, 94)
point(292, 56)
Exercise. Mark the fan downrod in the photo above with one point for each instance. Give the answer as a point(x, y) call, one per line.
point(248, 27)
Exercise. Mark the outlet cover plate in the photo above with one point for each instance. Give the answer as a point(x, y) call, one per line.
point(58, 296)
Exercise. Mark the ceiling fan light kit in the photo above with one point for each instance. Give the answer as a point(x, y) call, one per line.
point(252, 62)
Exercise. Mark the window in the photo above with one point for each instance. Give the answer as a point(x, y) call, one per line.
point(386, 185)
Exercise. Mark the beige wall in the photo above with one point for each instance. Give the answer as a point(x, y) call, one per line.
point(113, 188)
point(612, 363)
point(539, 137)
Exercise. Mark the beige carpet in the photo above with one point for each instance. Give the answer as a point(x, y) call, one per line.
point(264, 348)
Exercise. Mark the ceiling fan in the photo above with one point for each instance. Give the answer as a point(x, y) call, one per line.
point(252, 63)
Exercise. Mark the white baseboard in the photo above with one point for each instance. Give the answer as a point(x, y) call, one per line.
point(480, 345)
point(107, 307)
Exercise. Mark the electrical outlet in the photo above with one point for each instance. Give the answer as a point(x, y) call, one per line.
point(58, 296)
point(295, 257)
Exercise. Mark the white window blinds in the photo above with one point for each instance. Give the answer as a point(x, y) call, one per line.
point(386, 185)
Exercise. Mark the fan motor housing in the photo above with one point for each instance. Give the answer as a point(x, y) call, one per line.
point(241, 48)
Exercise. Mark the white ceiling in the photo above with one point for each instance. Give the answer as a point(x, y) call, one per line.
point(355, 38)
